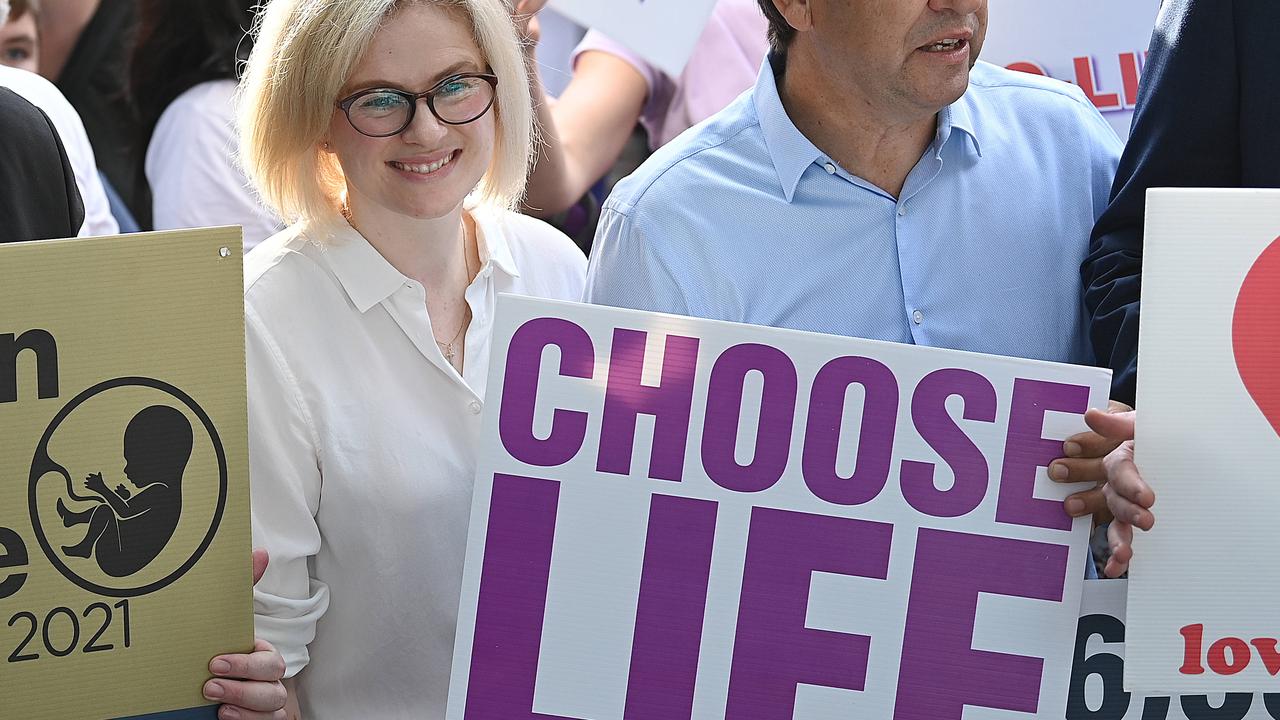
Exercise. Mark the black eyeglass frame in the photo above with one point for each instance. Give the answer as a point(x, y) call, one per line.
point(413, 98)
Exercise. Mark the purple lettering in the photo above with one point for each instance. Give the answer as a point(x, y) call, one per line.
point(513, 599)
point(724, 408)
point(773, 650)
point(940, 672)
point(520, 392)
point(669, 403)
point(1026, 451)
point(939, 429)
point(673, 598)
point(875, 439)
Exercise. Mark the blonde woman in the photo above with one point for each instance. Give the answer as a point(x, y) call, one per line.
point(397, 136)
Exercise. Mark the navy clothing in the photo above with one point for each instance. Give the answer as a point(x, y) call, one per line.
point(1208, 116)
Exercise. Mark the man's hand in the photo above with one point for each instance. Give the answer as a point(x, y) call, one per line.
point(1085, 462)
point(248, 685)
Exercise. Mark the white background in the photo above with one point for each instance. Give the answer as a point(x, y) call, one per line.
point(664, 32)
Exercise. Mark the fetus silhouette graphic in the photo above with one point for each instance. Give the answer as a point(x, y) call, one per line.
point(123, 529)
point(128, 529)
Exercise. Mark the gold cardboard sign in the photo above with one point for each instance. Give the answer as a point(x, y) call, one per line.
point(124, 499)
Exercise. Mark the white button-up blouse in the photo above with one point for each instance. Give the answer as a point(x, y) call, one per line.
point(363, 443)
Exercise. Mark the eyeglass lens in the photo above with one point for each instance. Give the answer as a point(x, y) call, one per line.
point(458, 101)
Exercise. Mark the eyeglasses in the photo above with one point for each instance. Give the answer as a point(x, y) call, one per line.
point(455, 100)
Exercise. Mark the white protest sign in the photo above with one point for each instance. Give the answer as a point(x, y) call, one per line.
point(1099, 45)
point(1097, 676)
point(664, 32)
point(678, 518)
point(1202, 593)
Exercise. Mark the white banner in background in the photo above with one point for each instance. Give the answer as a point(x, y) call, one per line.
point(1099, 45)
point(664, 32)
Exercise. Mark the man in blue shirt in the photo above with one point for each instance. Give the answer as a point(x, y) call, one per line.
point(875, 183)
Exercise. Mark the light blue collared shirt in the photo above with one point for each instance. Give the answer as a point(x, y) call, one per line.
point(742, 218)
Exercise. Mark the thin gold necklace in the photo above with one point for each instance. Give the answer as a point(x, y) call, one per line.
point(449, 348)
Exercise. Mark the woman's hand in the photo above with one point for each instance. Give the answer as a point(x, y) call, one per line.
point(249, 685)
point(1129, 498)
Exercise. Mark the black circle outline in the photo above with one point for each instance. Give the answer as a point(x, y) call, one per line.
point(222, 486)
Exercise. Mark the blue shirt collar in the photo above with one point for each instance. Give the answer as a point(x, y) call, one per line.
point(792, 153)
point(958, 116)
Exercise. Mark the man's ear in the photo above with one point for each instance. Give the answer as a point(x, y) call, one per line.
point(798, 13)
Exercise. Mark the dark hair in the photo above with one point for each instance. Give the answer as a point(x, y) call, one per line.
point(18, 8)
point(780, 32)
point(182, 43)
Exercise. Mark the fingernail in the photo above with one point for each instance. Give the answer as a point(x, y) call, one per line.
point(1072, 449)
point(228, 713)
point(214, 691)
point(1074, 507)
point(1058, 471)
point(220, 667)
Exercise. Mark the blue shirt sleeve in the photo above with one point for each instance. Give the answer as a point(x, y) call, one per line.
point(626, 272)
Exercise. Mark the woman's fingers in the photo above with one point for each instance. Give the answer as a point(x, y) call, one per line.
point(1120, 537)
point(263, 664)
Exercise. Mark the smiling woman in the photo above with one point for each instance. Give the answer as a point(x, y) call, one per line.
point(396, 136)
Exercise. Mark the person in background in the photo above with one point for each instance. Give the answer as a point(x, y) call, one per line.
point(396, 135)
point(19, 39)
point(183, 79)
point(586, 128)
point(1204, 54)
point(1212, 54)
point(38, 195)
point(84, 46)
point(97, 216)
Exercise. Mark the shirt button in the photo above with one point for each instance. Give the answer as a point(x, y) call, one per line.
point(902, 210)
point(475, 407)
point(830, 168)
point(917, 316)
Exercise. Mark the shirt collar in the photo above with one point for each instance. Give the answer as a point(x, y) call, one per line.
point(364, 274)
point(368, 278)
point(494, 248)
point(792, 153)
point(958, 116)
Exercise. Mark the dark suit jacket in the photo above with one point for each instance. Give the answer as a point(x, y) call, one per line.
point(1208, 116)
point(38, 195)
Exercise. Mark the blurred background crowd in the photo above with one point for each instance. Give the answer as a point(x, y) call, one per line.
point(142, 93)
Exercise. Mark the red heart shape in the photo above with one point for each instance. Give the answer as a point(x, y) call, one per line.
point(1255, 333)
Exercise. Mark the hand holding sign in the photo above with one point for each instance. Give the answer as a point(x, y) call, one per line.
point(249, 684)
point(1254, 340)
point(1084, 462)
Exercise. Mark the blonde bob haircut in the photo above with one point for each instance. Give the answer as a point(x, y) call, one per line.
point(304, 53)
